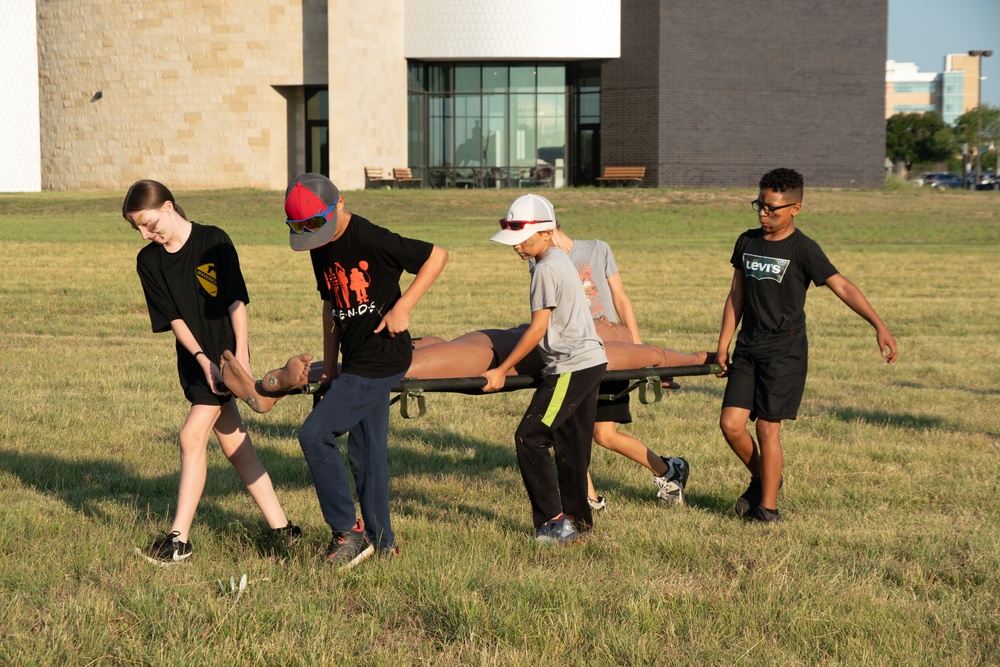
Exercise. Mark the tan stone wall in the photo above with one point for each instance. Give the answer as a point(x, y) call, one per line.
point(190, 90)
point(368, 112)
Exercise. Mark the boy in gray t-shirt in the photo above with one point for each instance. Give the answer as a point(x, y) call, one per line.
point(562, 411)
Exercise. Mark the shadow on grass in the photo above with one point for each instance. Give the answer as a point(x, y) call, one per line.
point(969, 390)
point(883, 418)
point(87, 486)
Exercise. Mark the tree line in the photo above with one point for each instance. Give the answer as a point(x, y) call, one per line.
point(924, 138)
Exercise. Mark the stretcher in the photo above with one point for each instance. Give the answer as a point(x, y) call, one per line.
point(411, 392)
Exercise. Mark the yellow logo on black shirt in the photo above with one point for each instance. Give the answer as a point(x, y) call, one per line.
point(207, 279)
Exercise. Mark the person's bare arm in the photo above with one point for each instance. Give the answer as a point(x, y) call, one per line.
point(855, 299)
point(398, 318)
point(187, 340)
point(497, 377)
point(623, 306)
point(241, 328)
point(732, 313)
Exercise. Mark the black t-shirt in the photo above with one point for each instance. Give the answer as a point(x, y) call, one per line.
point(776, 275)
point(358, 274)
point(196, 284)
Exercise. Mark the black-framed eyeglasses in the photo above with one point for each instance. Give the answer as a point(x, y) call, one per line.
point(760, 207)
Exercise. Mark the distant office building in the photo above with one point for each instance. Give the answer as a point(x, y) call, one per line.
point(949, 93)
point(465, 92)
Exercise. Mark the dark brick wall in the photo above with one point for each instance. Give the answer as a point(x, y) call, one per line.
point(716, 92)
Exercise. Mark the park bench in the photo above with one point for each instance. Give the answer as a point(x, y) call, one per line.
point(623, 174)
point(404, 176)
point(375, 178)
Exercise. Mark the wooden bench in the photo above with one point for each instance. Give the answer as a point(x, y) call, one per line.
point(375, 178)
point(404, 177)
point(623, 174)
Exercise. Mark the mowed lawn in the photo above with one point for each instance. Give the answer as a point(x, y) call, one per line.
point(890, 550)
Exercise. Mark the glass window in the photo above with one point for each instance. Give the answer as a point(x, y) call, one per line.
point(521, 145)
point(494, 78)
point(522, 79)
point(440, 134)
point(415, 77)
point(468, 131)
point(467, 78)
point(495, 130)
point(317, 105)
point(439, 78)
point(551, 79)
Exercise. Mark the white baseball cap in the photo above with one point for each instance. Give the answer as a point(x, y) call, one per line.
point(527, 215)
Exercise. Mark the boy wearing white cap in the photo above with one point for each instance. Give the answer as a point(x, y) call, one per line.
point(365, 319)
point(562, 411)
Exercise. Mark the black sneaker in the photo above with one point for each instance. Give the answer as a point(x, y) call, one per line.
point(349, 547)
point(764, 515)
point(671, 484)
point(167, 550)
point(559, 531)
point(750, 499)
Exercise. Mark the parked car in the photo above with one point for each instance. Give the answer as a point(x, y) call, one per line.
point(941, 179)
point(987, 181)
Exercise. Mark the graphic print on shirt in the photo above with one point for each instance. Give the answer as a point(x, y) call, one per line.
point(342, 283)
point(764, 268)
point(586, 272)
point(208, 279)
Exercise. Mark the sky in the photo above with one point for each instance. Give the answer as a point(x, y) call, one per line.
point(925, 31)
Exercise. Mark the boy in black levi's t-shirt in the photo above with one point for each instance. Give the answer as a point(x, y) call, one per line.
point(365, 320)
point(773, 266)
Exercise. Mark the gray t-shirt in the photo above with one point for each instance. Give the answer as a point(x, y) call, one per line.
point(570, 343)
point(594, 264)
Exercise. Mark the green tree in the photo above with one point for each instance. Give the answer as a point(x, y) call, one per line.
point(965, 131)
point(919, 137)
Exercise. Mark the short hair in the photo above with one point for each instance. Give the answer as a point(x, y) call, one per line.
point(786, 181)
point(144, 195)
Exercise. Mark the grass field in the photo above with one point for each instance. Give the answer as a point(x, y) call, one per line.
point(889, 555)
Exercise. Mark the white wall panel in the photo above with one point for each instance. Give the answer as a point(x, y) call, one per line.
point(512, 29)
point(20, 149)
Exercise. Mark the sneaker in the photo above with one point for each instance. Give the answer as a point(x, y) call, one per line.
point(349, 547)
point(671, 483)
point(764, 515)
point(597, 505)
point(167, 550)
point(558, 531)
point(750, 499)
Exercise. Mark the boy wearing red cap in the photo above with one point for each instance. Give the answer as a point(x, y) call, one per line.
point(365, 320)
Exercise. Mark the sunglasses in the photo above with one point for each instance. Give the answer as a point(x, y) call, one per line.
point(518, 225)
point(311, 224)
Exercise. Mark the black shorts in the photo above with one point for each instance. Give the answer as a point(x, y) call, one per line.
point(769, 380)
point(198, 393)
point(614, 410)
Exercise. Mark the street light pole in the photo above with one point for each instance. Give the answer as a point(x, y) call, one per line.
point(979, 112)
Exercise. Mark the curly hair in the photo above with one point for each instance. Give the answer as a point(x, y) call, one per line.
point(786, 181)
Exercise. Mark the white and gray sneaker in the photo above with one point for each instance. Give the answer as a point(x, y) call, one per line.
point(671, 484)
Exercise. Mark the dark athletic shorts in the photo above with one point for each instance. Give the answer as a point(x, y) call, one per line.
point(614, 410)
point(769, 380)
point(200, 394)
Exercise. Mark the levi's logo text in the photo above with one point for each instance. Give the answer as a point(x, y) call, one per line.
point(764, 268)
point(349, 288)
point(208, 280)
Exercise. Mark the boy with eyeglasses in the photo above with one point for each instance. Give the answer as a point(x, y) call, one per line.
point(562, 410)
point(365, 320)
point(773, 267)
